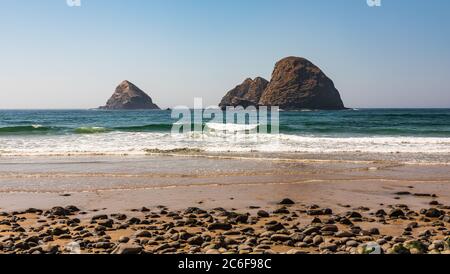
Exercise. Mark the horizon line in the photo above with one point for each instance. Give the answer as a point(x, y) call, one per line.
point(169, 108)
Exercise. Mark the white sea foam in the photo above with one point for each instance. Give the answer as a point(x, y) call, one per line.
point(231, 127)
point(140, 142)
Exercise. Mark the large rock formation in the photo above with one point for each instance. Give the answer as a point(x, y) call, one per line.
point(128, 96)
point(299, 84)
point(296, 84)
point(246, 94)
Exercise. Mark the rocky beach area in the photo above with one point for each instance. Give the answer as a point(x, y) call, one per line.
point(291, 227)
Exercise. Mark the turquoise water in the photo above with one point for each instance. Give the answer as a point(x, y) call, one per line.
point(93, 131)
point(364, 122)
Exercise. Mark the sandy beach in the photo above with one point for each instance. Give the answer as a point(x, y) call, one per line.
point(322, 191)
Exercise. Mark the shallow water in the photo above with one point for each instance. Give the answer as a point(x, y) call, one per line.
point(60, 174)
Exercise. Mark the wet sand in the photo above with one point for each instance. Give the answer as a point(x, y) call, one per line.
point(122, 183)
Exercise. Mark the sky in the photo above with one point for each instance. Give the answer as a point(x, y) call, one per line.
point(56, 56)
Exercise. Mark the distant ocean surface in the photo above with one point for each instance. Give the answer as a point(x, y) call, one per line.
point(68, 132)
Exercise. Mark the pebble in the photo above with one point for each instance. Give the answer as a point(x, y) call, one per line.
point(124, 239)
point(282, 210)
point(219, 226)
point(329, 228)
point(328, 247)
point(317, 240)
point(395, 213)
point(346, 234)
point(58, 211)
point(352, 243)
point(286, 201)
point(99, 217)
point(374, 231)
point(128, 249)
point(263, 214)
point(275, 227)
point(433, 213)
point(196, 240)
point(354, 214)
point(280, 238)
point(143, 234)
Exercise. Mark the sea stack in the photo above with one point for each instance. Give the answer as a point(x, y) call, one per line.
point(296, 84)
point(128, 97)
point(246, 94)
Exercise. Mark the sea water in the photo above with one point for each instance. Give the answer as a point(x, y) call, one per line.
point(85, 132)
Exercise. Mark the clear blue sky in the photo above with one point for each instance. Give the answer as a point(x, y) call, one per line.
point(54, 56)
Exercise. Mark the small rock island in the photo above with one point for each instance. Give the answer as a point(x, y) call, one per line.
point(129, 97)
point(296, 84)
point(246, 94)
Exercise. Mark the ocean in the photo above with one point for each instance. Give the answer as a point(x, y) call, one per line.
point(99, 132)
